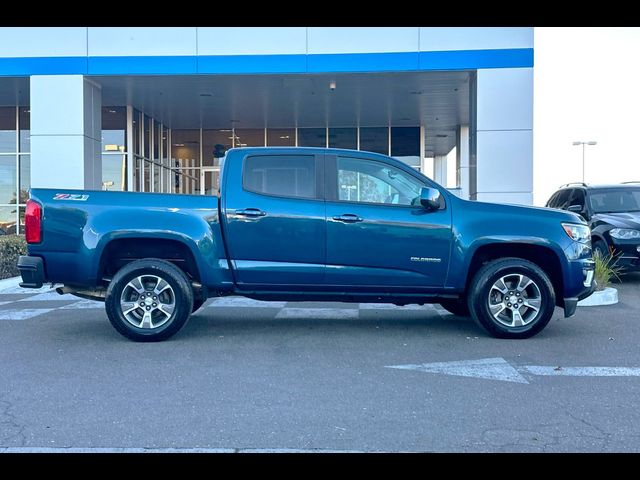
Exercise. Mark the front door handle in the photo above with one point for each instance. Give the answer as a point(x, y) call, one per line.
point(251, 212)
point(348, 218)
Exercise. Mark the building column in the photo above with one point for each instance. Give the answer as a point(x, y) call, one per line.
point(504, 135)
point(463, 161)
point(440, 169)
point(66, 131)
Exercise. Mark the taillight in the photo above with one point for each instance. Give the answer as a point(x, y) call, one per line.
point(33, 222)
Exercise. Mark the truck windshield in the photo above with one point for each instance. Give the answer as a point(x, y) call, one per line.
point(615, 200)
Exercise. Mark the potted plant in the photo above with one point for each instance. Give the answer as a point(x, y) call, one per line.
point(606, 269)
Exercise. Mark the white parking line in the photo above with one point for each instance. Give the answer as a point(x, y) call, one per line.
point(243, 302)
point(49, 296)
point(391, 306)
point(320, 313)
point(82, 304)
point(23, 313)
point(166, 450)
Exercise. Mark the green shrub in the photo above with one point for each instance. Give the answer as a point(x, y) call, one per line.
point(606, 270)
point(11, 247)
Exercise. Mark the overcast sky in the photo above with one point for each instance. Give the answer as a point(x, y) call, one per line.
point(586, 87)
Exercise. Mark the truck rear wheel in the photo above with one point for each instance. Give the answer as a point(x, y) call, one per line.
point(511, 298)
point(149, 300)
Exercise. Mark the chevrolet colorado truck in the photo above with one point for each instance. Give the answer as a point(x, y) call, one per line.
point(307, 224)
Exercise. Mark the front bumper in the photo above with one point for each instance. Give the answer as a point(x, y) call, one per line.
point(627, 255)
point(31, 270)
point(579, 284)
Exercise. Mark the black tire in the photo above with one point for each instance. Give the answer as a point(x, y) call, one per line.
point(457, 306)
point(601, 247)
point(179, 295)
point(197, 303)
point(482, 292)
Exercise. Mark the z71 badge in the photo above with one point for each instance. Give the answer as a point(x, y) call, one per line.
point(71, 196)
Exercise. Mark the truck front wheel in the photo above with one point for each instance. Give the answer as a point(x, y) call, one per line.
point(511, 298)
point(149, 300)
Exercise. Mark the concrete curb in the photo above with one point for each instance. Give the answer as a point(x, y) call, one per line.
point(9, 283)
point(608, 296)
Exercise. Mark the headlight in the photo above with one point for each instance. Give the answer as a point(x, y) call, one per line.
point(579, 233)
point(624, 233)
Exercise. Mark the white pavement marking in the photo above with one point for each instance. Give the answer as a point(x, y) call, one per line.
point(581, 371)
point(243, 302)
point(49, 296)
point(320, 313)
point(84, 304)
point(488, 368)
point(23, 313)
point(4, 303)
point(165, 450)
point(391, 306)
point(499, 369)
point(31, 291)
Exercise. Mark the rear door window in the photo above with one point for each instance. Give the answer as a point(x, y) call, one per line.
point(280, 175)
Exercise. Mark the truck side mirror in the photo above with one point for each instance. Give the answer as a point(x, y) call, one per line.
point(430, 198)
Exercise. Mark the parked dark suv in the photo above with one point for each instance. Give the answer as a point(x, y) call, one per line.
point(613, 213)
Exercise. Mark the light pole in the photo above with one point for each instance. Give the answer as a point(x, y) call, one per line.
point(583, 145)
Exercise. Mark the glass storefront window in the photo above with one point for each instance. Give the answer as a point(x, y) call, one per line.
point(146, 137)
point(312, 137)
point(8, 220)
point(8, 130)
point(156, 140)
point(375, 139)
point(210, 138)
point(136, 133)
point(114, 172)
point(249, 137)
point(8, 178)
point(281, 137)
point(405, 145)
point(24, 121)
point(25, 177)
point(343, 138)
point(114, 129)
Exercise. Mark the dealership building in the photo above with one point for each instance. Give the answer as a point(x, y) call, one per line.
point(153, 109)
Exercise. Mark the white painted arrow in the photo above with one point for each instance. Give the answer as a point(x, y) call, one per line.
point(499, 369)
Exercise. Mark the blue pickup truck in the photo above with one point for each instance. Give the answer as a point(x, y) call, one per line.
point(307, 224)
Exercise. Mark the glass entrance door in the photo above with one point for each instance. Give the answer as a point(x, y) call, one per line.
point(209, 180)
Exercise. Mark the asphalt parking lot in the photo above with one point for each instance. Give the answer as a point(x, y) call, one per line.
point(245, 375)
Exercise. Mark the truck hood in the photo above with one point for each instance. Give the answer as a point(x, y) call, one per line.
point(619, 220)
point(551, 213)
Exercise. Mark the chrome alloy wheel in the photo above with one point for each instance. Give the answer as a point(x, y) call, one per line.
point(147, 301)
point(514, 300)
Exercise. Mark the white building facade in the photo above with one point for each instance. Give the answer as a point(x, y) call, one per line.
point(154, 108)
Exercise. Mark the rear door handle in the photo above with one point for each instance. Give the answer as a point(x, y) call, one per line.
point(348, 218)
point(251, 212)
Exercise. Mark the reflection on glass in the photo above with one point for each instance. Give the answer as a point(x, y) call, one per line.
point(281, 137)
point(25, 129)
point(8, 179)
point(7, 129)
point(114, 172)
point(343, 138)
point(25, 177)
point(375, 139)
point(249, 137)
point(312, 137)
point(8, 220)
